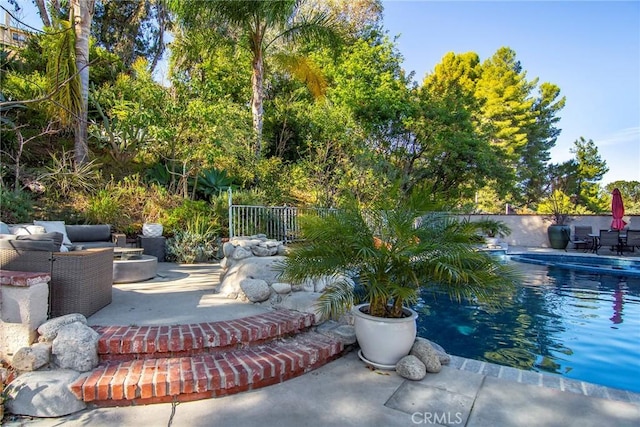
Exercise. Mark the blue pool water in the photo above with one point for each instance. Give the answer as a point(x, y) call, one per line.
point(578, 324)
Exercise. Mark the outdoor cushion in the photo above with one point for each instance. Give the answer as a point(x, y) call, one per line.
point(55, 237)
point(26, 243)
point(89, 233)
point(4, 228)
point(25, 230)
point(55, 226)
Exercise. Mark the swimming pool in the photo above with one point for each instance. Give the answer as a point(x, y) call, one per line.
point(578, 324)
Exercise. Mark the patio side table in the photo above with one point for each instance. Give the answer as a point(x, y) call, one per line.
point(154, 246)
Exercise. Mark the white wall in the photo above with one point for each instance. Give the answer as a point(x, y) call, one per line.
point(531, 230)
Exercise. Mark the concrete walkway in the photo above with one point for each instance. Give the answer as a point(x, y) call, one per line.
point(344, 392)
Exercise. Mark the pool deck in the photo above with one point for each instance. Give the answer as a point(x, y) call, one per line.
point(345, 392)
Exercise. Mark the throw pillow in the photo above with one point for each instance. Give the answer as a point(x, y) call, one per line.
point(55, 237)
point(4, 228)
point(28, 230)
point(35, 243)
point(55, 227)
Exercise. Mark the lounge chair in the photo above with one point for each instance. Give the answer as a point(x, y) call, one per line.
point(633, 240)
point(581, 238)
point(610, 239)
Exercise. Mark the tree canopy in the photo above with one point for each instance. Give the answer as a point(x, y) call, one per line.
point(290, 101)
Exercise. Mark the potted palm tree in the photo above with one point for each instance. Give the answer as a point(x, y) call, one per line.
point(392, 254)
point(493, 230)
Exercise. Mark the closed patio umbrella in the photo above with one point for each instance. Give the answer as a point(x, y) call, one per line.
point(617, 211)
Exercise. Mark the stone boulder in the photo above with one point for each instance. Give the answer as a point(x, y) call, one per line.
point(411, 368)
point(255, 290)
point(281, 288)
point(427, 355)
point(49, 330)
point(241, 253)
point(32, 358)
point(445, 359)
point(43, 394)
point(76, 347)
point(262, 268)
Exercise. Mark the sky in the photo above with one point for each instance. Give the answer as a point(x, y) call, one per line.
point(590, 50)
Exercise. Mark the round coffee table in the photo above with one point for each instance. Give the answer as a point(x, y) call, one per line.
point(135, 268)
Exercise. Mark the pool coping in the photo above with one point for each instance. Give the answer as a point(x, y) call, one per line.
point(546, 380)
point(562, 261)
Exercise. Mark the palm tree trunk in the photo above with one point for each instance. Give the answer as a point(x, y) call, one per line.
point(257, 109)
point(42, 11)
point(83, 14)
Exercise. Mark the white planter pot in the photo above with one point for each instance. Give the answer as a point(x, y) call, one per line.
point(383, 341)
point(492, 241)
point(151, 229)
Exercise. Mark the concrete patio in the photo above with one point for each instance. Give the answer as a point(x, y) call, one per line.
point(344, 392)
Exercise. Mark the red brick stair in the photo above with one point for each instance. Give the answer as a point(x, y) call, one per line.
point(157, 364)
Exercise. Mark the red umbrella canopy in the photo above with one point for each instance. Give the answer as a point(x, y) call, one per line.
point(617, 211)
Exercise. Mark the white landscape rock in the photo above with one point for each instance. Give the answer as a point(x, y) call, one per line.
point(411, 368)
point(263, 250)
point(445, 359)
point(48, 330)
point(263, 268)
point(32, 357)
point(281, 288)
point(43, 394)
point(241, 253)
point(423, 350)
point(256, 290)
point(76, 347)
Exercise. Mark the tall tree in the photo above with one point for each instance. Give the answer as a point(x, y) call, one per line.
point(82, 14)
point(541, 137)
point(457, 159)
point(260, 27)
point(80, 17)
point(131, 29)
point(589, 172)
point(505, 108)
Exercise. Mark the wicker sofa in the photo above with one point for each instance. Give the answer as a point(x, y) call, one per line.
point(81, 280)
point(82, 236)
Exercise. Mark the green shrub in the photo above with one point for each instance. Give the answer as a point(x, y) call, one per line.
point(198, 242)
point(186, 214)
point(15, 206)
point(64, 177)
point(128, 203)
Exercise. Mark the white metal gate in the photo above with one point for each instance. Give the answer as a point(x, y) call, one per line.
point(276, 222)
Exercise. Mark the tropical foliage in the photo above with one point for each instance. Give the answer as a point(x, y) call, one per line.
point(394, 252)
point(301, 102)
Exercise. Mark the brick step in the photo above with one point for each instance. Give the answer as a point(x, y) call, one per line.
point(203, 376)
point(121, 343)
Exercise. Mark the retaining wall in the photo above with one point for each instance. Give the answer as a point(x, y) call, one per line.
point(531, 230)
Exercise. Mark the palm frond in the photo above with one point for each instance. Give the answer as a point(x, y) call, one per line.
point(395, 254)
point(305, 70)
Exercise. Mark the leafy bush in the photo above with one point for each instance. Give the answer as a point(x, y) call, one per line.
point(212, 182)
point(128, 203)
point(186, 214)
point(198, 242)
point(16, 206)
point(63, 176)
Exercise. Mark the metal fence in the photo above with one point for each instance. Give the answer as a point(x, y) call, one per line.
point(277, 222)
